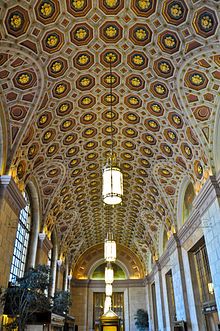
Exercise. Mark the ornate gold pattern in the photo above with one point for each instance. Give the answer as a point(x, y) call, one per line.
point(159, 88)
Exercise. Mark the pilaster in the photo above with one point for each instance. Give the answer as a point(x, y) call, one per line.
point(208, 206)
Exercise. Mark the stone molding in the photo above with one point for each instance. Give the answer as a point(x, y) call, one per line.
point(90, 283)
point(209, 192)
point(189, 227)
point(10, 192)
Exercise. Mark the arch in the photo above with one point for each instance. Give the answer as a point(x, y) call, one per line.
point(163, 239)
point(101, 261)
point(186, 188)
point(216, 142)
point(125, 257)
point(31, 187)
point(3, 141)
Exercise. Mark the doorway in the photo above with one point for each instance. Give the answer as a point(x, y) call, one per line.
point(203, 287)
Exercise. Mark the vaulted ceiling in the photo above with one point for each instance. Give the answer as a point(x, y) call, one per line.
point(54, 77)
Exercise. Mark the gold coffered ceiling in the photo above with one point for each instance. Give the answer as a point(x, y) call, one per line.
point(54, 70)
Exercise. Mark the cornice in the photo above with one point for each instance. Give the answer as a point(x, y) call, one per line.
point(209, 192)
point(10, 192)
point(90, 283)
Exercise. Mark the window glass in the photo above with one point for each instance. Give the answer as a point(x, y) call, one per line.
point(21, 242)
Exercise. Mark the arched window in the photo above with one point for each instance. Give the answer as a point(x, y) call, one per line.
point(21, 242)
point(188, 200)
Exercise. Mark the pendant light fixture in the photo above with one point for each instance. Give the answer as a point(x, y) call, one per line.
point(109, 274)
point(108, 290)
point(112, 178)
point(110, 248)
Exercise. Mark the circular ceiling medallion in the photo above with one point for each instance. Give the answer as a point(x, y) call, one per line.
point(163, 68)
point(87, 101)
point(44, 120)
point(137, 60)
point(64, 108)
point(81, 34)
point(70, 139)
point(47, 11)
point(110, 56)
point(72, 151)
point(155, 108)
point(140, 34)
point(111, 7)
point(130, 132)
point(52, 149)
point(57, 67)
point(85, 82)
point(89, 132)
point(79, 8)
point(143, 8)
point(83, 60)
point(205, 22)
point(110, 80)
point(17, 21)
point(133, 101)
point(48, 136)
point(33, 150)
point(169, 42)
point(198, 169)
point(131, 118)
point(61, 89)
point(74, 163)
point(52, 41)
point(166, 149)
point(196, 80)
point(146, 151)
point(110, 99)
point(108, 115)
point(165, 172)
point(127, 144)
point(175, 120)
point(159, 89)
point(152, 125)
point(25, 79)
point(175, 11)
point(135, 82)
point(187, 151)
point(67, 125)
point(90, 145)
point(111, 32)
point(171, 136)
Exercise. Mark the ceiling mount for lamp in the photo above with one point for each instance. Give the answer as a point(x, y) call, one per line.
point(112, 178)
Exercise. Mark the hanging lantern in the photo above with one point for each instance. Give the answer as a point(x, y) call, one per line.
point(112, 187)
point(108, 304)
point(108, 290)
point(109, 274)
point(110, 249)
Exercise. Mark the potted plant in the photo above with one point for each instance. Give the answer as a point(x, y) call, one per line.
point(27, 297)
point(142, 321)
point(61, 302)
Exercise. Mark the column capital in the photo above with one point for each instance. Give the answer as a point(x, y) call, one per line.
point(209, 192)
point(45, 243)
point(10, 192)
point(59, 263)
